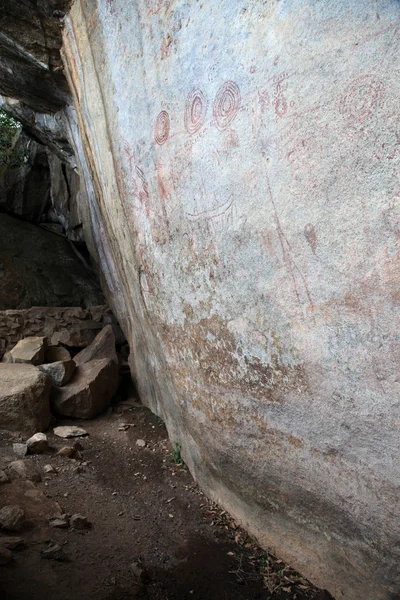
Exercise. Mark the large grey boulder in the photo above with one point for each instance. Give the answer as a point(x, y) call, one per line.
point(60, 372)
point(24, 398)
point(90, 391)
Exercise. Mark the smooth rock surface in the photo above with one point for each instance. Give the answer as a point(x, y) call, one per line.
point(103, 346)
point(60, 372)
point(89, 392)
point(30, 350)
point(24, 398)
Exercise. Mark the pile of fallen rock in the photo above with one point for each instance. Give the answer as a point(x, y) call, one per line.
point(38, 379)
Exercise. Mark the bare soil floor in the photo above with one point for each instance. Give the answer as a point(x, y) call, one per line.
point(144, 509)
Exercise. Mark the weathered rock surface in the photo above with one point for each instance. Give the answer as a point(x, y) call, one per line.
point(31, 499)
point(103, 346)
point(4, 478)
point(30, 350)
point(40, 268)
point(60, 372)
point(76, 325)
point(24, 398)
point(12, 518)
point(38, 443)
point(25, 470)
point(89, 392)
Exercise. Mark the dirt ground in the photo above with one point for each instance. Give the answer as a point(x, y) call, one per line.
point(144, 509)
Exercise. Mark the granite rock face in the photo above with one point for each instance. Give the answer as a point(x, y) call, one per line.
point(244, 210)
point(39, 268)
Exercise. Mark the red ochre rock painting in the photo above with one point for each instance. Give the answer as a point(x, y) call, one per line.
point(226, 104)
point(161, 128)
point(362, 98)
point(195, 110)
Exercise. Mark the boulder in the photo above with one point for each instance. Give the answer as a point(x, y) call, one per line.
point(60, 372)
point(90, 391)
point(38, 444)
point(30, 350)
point(25, 470)
point(57, 353)
point(103, 346)
point(24, 398)
point(12, 518)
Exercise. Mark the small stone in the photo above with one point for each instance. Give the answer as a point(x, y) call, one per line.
point(4, 478)
point(6, 555)
point(11, 543)
point(38, 444)
point(25, 470)
point(140, 443)
point(79, 522)
point(67, 431)
point(49, 469)
point(60, 522)
point(54, 552)
point(78, 446)
point(138, 571)
point(67, 451)
point(20, 450)
point(123, 427)
point(12, 518)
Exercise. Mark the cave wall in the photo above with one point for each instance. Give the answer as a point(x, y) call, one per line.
point(239, 165)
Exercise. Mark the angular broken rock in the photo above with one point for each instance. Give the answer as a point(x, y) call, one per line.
point(89, 392)
point(69, 431)
point(60, 372)
point(54, 552)
point(57, 353)
point(12, 518)
point(25, 470)
point(60, 522)
point(49, 469)
point(30, 350)
point(103, 346)
point(6, 555)
point(38, 444)
point(24, 398)
point(20, 450)
point(4, 478)
point(67, 451)
point(78, 522)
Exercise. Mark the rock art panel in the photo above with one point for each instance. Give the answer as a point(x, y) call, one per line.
point(241, 163)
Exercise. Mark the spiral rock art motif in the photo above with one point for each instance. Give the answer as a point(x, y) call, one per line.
point(195, 110)
point(161, 128)
point(226, 104)
point(362, 98)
